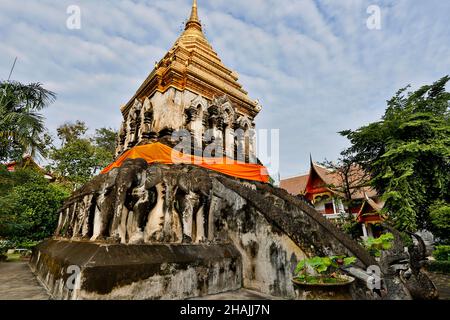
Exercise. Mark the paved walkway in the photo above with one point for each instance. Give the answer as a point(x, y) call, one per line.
point(17, 282)
point(442, 283)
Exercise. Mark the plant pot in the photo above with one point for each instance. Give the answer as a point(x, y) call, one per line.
point(324, 291)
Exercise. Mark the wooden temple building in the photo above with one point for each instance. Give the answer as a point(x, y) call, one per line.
point(326, 190)
point(27, 162)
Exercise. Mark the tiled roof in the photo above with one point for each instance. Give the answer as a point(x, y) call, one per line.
point(356, 177)
point(295, 185)
point(332, 179)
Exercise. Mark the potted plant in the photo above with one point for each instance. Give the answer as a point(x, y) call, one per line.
point(321, 277)
point(376, 245)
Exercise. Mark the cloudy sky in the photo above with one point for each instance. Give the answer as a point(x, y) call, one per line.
point(314, 65)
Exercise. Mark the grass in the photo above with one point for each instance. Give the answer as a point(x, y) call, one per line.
point(13, 257)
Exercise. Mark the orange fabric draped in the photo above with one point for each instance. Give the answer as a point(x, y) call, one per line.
point(160, 153)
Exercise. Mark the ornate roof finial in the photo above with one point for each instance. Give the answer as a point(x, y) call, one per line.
point(193, 21)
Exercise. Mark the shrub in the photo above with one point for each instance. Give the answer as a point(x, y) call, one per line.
point(4, 246)
point(28, 211)
point(325, 269)
point(27, 244)
point(439, 266)
point(442, 253)
point(352, 228)
point(440, 219)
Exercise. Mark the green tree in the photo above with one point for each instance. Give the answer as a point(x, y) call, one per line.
point(407, 154)
point(76, 162)
point(69, 132)
point(440, 219)
point(21, 126)
point(81, 157)
point(104, 141)
point(105, 138)
point(28, 210)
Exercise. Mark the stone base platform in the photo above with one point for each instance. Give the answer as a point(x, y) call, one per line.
point(87, 270)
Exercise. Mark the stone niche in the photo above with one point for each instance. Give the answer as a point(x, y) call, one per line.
point(158, 116)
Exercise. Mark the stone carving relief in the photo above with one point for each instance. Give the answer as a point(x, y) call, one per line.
point(215, 123)
point(146, 132)
point(137, 204)
point(195, 115)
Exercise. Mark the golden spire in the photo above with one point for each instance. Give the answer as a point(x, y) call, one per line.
point(193, 21)
point(192, 64)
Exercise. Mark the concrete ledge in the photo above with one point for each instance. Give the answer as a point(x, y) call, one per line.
point(115, 271)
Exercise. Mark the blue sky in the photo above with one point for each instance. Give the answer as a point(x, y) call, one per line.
point(313, 64)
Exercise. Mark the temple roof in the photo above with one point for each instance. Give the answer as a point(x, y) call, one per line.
point(295, 185)
point(192, 64)
point(28, 162)
point(332, 181)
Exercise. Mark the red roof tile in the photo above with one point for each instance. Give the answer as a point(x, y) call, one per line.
point(332, 179)
point(295, 185)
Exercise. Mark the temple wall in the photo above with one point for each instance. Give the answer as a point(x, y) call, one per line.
point(168, 108)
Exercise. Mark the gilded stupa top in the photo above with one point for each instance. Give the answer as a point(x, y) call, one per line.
point(194, 22)
point(192, 64)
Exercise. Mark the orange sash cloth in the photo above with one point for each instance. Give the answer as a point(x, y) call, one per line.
point(160, 153)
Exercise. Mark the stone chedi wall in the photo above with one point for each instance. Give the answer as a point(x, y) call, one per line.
point(162, 114)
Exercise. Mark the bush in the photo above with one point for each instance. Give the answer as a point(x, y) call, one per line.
point(440, 219)
point(5, 245)
point(27, 244)
point(439, 266)
point(353, 229)
point(442, 253)
point(325, 269)
point(28, 211)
